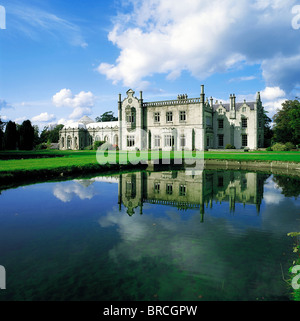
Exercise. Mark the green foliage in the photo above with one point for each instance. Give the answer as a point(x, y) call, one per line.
point(229, 146)
point(51, 135)
point(279, 147)
point(287, 122)
point(26, 135)
point(2, 124)
point(290, 146)
point(269, 149)
point(107, 116)
point(11, 136)
point(97, 144)
point(42, 146)
point(268, 131)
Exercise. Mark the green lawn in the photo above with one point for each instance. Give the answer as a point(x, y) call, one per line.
point(61, 159)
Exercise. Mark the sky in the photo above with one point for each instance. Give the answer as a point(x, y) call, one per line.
point(63, 59)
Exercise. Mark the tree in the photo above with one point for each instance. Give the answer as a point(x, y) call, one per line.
point(107, 116)
point(2, 124)
point(51, 135)
point(10, 136)
point(268, 131)
point(287, 123)
point(26, 135)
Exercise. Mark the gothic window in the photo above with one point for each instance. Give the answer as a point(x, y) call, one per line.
point(156, 188)
point(244, 122)
point(62, 142)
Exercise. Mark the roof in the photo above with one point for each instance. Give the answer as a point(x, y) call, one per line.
point(75, 125)
point(237, 106)
point(86, 120)
point(102, 124)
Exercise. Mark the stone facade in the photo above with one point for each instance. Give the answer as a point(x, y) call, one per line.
point(184, 123)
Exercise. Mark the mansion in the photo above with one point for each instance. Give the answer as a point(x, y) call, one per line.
point(183, 123)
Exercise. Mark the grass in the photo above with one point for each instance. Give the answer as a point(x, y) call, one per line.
point(49, 160)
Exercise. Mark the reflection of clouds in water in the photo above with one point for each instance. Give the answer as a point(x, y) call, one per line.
point(167, 237)
point(81, 188)
point(272, 192)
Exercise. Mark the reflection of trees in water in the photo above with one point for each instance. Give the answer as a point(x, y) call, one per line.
point(290, 185)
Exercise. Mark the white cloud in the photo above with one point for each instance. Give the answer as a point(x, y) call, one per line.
point(201, 37)
point(271, 93)
point(81, 103)
point(66, 192)
point(20, 120)
point(272, 98)
point(44, 117)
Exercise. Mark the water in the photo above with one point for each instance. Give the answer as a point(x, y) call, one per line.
point(150, 236)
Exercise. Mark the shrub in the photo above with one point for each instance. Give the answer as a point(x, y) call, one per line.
point(97, 144)
point(279, 147)
point(42, 146)
point(269, 149)
point(290, 146)
point(229, 146)
point(90, 147)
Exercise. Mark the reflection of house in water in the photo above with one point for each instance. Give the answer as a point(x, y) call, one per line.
point(190, 192)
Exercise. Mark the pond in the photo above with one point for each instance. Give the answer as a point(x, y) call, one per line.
point(218, 235)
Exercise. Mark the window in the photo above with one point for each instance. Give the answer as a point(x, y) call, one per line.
point(244, 140)
point(62, 142)
point(221, 140)
point(220, 123)
point(130, 141)
point(156, 117)
point(182, 190)
point(182, 116)
point(182, 140)
point(169, 189)
point(156, 141)
point(169, 116)
point(259, 124)
point(169, 140)
point(244, 122)
point(156, 188)
point(207, 141)
point(220, 111)
point(244, 109)
point(130, 117)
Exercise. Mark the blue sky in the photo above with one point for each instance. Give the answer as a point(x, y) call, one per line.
point(62, 59)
